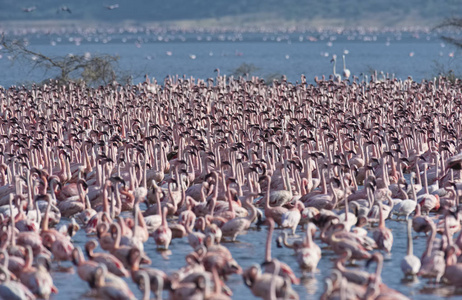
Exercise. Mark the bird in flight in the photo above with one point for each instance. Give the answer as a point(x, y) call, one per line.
point(29, 9)
point(112, 6)
point(64, 8)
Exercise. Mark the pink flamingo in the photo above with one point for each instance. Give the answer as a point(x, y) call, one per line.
point(432, 261)
point(85, 269)
point(13, 289)
point(410, 264)
point(107, 289)
point(274, 213)
point(261, 284)
point(286, 271)
point(37, 279)
point(163, 234)
point(309, 255)
point(292, 217)
point(237, 225)
point(453, 270)
point(157, 278)
point(382, 235)
point(114, 265)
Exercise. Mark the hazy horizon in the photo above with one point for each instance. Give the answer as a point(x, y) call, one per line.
point(239, 13)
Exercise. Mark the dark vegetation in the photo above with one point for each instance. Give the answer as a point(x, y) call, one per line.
point(94, 70)
point(453, 25)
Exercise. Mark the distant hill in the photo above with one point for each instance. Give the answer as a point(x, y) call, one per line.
point(392, 13)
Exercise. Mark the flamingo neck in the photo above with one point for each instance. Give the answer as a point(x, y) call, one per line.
point(309, 238)
point(268, 242)
point(324, 183)
point(105, 198)
point(164, 217)
point(267, 197)
point(409, 239)
point(430, 240)
point(118, 236)
point(425, 181)
point(230, 201)
point(335, 62)
point(378, 270)
point(46, 217)
point(381, 217)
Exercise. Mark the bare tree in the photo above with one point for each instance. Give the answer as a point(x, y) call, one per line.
point(98, 69)
point(451, 23)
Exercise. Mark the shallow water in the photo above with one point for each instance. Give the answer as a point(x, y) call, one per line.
point(250, 249)
point(402, 54)
point(387, 52)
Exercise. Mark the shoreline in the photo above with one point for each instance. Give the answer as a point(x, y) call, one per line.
point(246, 23)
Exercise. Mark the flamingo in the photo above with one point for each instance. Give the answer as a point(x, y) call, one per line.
point(260, 284)
point(37, 279)
point(195, 239)
point(346, 72)
point(410, 264)
point(426, 200)
point(113, 264)
point(14, 264)
point(432, 261)
point(85, 269)
point(453, 270)
point(163, 234)
point(13, 289)
point(407, 206)
point(217, 294)
point(291, 218)
point(382, 235)
point(191, 290)
point(107, 289)
point(352, 275)
point(118, 250)
point(274, 213)
point(60, 245)
point(237, 225)
point(285, 271)
point(341, 244)
point(309, 255)
point(378, 290)
point(337, 77)
point(157, 278)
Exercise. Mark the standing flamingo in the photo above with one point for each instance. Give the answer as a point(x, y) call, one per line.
point(410, 264)
point(286, 271)
point(114, 265)
point(110, 290)
point(163, 234)
point(309, 255)
point(346, 72)
point(13, 289)
point(37, 279)
point(274, 213)
point(337, 76)
point(382, 235)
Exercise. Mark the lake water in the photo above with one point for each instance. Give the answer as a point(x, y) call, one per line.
point(250, 249)
point(400, 53)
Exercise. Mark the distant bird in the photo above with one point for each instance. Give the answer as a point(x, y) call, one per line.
point(112, 6)
point(64, 8)
point(337, 76)
point(29, 9)
point(346, 72)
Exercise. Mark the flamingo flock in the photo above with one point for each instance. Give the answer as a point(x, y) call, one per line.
point(324, 167)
